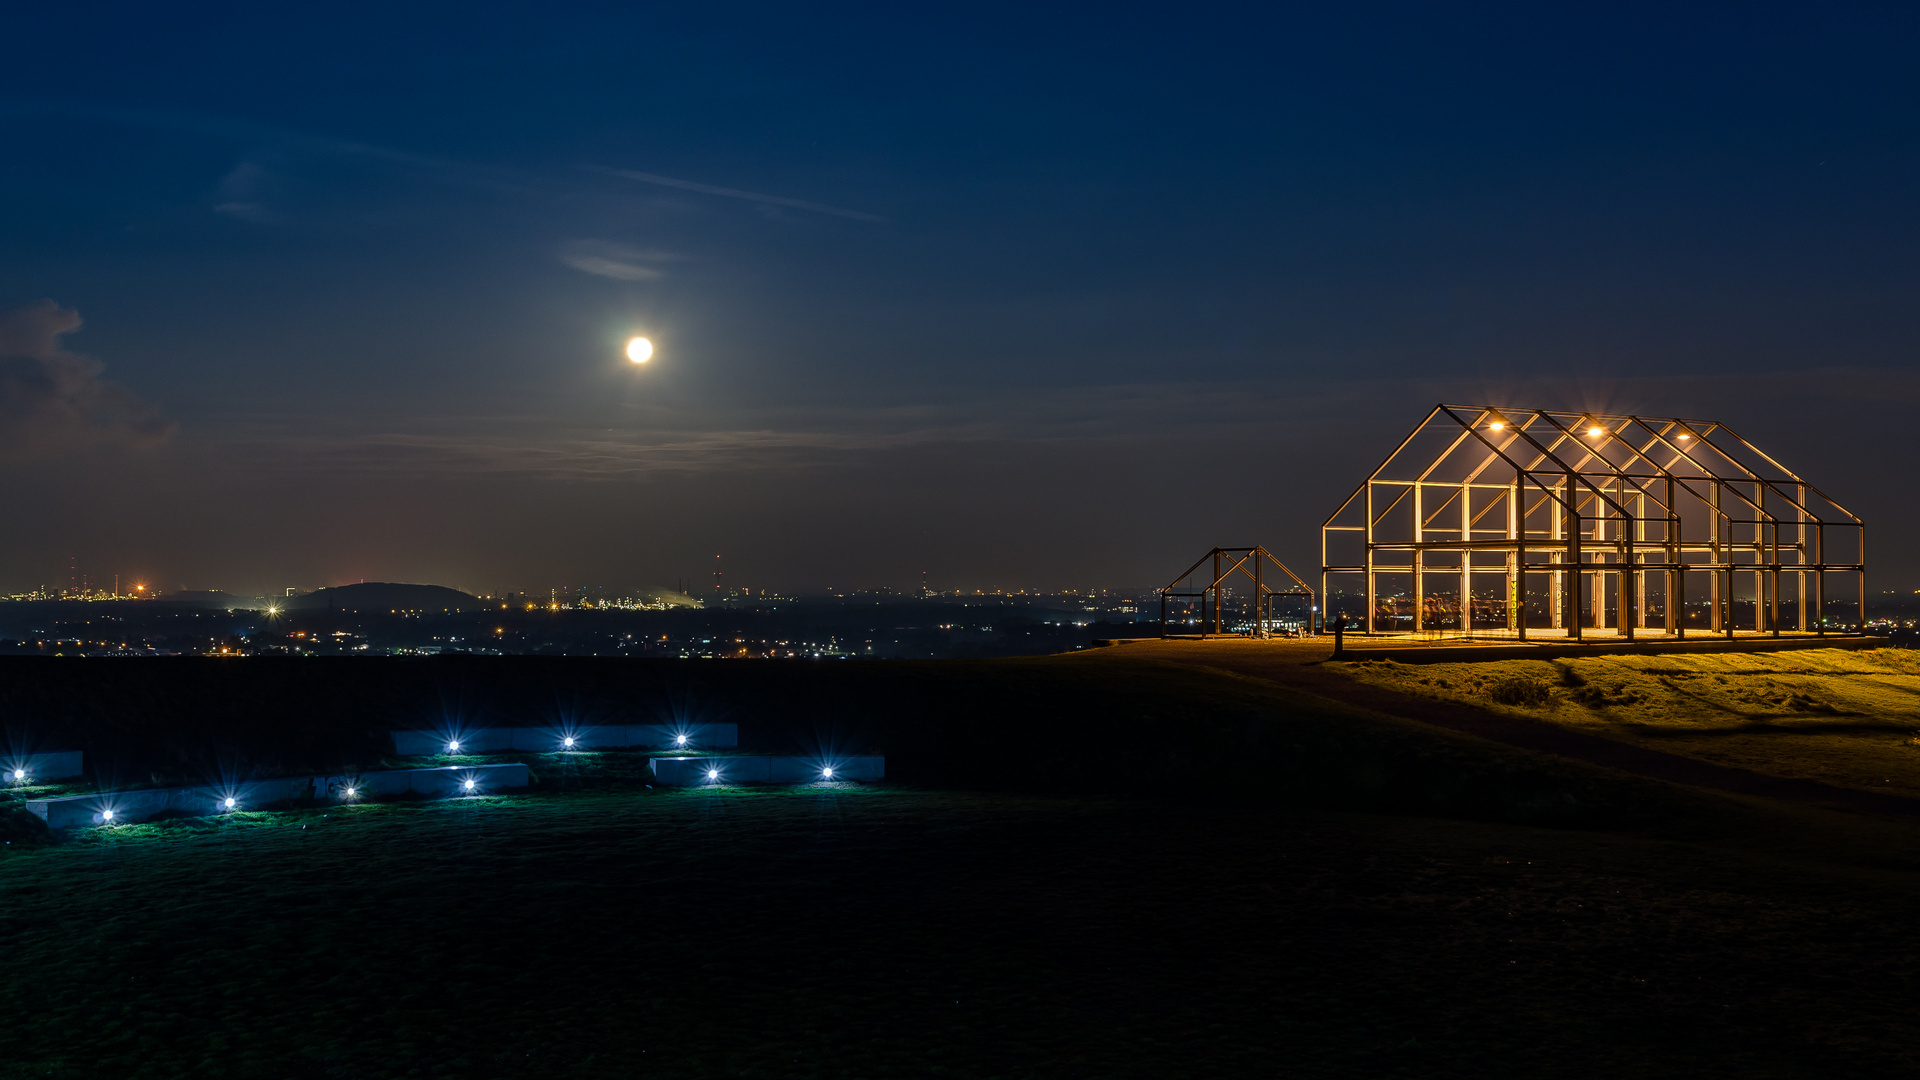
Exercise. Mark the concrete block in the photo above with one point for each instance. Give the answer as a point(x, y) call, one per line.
point(57, 765)
point(334, 788)
point(801, 770)
point(862, 767)
point(482, 741)
point(472, 741)
point(452, 781)
point(699, 736)
point(692, 770)
point(585, 737)
point(75, 811)
point(419, 743)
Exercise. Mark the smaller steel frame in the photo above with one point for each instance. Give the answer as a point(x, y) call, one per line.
point(1247, 562)
point(1611, 515)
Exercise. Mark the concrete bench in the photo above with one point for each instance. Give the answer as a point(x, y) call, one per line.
point(692, 771)
point(58, 765)
point(492, 740)
point(75, 811)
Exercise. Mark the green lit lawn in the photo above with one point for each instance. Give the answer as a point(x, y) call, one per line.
point(849, 931)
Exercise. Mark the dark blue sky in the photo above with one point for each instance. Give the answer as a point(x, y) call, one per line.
point(1018, 297)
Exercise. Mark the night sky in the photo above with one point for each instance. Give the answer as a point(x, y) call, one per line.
point(1017, 298)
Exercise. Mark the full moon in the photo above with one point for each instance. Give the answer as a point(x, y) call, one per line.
point(639, 350)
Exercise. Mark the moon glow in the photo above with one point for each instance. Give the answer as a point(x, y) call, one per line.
point(639, 350)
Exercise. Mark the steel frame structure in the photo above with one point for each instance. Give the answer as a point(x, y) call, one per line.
point(1250, 563)
point(1592, 505)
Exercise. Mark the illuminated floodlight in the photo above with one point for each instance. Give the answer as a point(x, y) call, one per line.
point(106, 815)
point(468, 785)
point(713, 774)
point(827, 773)
point(228, 802)
point(679, 740)
point(567, 742)
point(19, 774)
point(350, 793)
point(453, 746)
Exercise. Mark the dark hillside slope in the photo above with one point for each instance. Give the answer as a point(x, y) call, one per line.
point(387, 596)
point(1037, 724)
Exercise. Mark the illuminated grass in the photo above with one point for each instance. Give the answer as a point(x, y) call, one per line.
point(1844, 717)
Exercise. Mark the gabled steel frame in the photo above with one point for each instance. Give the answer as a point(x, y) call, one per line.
point(1247, 562)
point(1680, 497)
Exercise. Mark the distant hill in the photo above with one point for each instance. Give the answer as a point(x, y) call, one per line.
point(386, 596)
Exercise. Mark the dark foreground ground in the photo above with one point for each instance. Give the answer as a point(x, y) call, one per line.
point(848, 931)
point(1086, 866)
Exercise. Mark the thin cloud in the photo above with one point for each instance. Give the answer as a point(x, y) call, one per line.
point(280, 139)
point(1324, 412)
point(736, 193)
point(239, 194)
point(609, 260)
point(561, 457)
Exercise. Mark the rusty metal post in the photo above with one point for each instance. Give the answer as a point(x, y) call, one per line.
point(1419, 558)
point(1259, 617)
point(1714, 598)
point(1466, 559)
point(1219, 593)
point(1820, 580)
point(1574, 573)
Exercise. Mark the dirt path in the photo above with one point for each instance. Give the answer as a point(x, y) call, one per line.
point(1297, 665)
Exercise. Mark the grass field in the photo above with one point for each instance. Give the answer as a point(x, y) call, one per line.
point(848, 931)
point(1850, 718)
point(1226, 879)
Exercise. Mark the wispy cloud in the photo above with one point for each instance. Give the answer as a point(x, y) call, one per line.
point(611, 260)
point(561, 456)
point(785, 438)
point(1256, 416)
point(239, 194)
point(284, 141)
point(736, 193)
